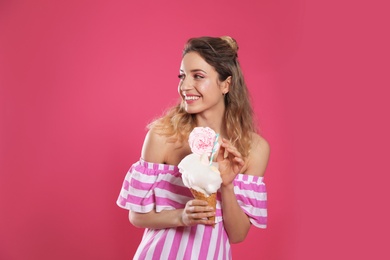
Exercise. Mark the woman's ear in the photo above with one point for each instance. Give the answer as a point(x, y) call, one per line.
point(226, 85)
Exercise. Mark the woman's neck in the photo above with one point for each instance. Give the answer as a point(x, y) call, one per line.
point(214, 121)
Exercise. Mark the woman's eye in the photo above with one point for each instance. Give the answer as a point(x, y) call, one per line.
point(181, 76)
point(198, 76)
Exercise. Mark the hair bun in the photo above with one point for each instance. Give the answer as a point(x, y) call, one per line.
point(232, 42)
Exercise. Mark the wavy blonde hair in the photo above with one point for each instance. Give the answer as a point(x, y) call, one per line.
point(221, 53)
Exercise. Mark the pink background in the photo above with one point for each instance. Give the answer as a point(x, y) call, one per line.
point(79, 80)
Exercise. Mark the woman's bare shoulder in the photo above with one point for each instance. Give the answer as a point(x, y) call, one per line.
point(153, 149)
point(159, 148)
point(258, 156)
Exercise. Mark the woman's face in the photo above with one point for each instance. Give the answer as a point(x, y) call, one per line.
point(199, 85)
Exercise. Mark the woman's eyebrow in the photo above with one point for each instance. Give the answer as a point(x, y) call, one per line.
point(195, 70)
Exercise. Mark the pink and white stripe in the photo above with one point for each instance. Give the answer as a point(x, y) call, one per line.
point(149, 186)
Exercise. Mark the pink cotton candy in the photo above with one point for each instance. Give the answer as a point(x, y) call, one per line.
point(201, 140)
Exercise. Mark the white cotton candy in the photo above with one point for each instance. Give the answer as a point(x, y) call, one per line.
point(199, 175)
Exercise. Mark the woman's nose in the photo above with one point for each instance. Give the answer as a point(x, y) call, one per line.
point(185, 84)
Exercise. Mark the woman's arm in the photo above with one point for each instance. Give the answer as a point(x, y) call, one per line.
point(195, 211)
point(236, 222)
point(154, 220)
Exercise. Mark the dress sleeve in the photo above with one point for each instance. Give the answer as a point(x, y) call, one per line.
point(149, 186)
point(251, 195)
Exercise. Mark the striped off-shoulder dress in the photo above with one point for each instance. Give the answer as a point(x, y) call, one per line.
point(149, 186)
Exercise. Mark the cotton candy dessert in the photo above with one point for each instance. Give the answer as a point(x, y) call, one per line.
point(199, 173)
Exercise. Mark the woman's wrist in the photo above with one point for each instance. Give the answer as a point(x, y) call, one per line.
point(228, 186)
point(180, 222)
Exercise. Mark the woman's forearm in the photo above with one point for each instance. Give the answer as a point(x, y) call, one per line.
point(235, 220)
point(195, 212)
point(157, 220)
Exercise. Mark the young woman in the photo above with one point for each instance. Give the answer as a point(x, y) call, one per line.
point(213, 94)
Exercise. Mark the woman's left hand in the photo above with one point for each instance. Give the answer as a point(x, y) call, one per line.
point(230, 162)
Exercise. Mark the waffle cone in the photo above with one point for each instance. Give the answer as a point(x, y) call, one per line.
point(211, 200)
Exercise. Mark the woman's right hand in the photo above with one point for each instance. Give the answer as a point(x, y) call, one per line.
point(196, 212)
